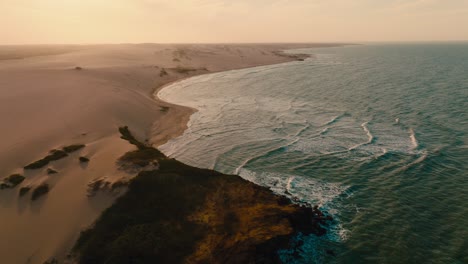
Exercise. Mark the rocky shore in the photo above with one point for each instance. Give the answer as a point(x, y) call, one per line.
point(176, 213)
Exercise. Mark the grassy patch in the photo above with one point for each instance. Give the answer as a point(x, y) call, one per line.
point(39, 191)
point(53, 156)
point(73, 148)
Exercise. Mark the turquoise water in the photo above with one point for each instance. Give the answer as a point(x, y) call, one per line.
point(375, 134)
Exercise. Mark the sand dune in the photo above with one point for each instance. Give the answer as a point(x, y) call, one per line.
point(54, 96)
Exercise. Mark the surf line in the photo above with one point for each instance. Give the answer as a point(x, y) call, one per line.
point(413, 139)
point(370, 137)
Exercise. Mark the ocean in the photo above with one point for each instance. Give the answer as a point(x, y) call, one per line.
point(376, 135)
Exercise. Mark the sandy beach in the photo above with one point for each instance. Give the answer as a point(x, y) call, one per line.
point(56, 96)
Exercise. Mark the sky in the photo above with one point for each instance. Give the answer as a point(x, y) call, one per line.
point(226, 21)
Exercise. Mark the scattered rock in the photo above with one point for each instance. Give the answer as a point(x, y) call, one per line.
point(78, 68)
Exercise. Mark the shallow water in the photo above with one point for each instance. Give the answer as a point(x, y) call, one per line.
point(375, 134)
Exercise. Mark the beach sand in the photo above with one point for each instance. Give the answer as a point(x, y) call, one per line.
point(54, 96)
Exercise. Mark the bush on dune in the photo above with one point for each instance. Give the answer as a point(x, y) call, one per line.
point(41, 190)
point(53, 156)
point(23, 191)
point(73, 148)
point(83, 159)
point(12, 181)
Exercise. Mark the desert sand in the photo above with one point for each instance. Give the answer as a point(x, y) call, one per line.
point(54, 96)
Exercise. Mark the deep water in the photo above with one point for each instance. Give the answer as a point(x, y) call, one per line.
point(374, 134)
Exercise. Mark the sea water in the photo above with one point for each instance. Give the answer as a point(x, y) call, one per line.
point(376, 135)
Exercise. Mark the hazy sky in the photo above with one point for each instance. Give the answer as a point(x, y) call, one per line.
point(117, 21)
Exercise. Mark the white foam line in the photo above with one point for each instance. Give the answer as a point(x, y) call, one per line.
point(370, 137)
point(325, 130)
point(333, 120)
point(413, 139)
point(288, 185)
point(302, 130)
point(415, 162)
point(237, 171)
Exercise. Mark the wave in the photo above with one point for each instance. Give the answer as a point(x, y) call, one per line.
point(422, 157)
point(308, 191)
point(334, 120)
point(413, 139)
point(324, 131)
point(370, 137)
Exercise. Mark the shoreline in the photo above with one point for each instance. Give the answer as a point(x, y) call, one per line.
point(189, 111)
point(97, 90)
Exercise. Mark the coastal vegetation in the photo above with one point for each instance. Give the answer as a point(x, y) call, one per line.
point(12, 181)
point(187, 70)
point(51, 171)
point(24, 190)
point(178, 213)
point(39, 191)
point(163, 72)
point(83, 159)
point(73, 148)
point(164, 109)
point(53, 156)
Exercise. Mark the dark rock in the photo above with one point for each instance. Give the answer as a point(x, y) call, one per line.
point(84, 159)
